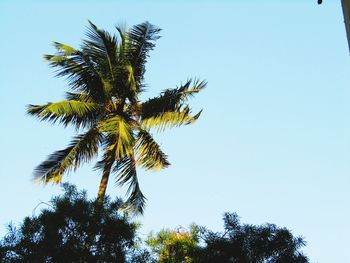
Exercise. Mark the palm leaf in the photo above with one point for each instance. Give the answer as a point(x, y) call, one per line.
point(82, 149)
point(78, 113)
point(123, 45)
point(126, 174)
point(148, 152)
point(120, 134)
point(137, 201)
point(79, 69)
point(170, 119)
point(64, 49)
point(171, 99)
point(102, 48)
point(140, 40)
point(78, 96)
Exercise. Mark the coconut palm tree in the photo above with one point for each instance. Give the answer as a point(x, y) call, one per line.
point(106, 78)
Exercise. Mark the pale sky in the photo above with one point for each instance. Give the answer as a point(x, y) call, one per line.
point(272, 143)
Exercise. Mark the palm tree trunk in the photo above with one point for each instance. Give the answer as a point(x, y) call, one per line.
point(100, 197)
point(104, 181)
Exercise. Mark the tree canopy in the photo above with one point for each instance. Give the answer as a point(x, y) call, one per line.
point(250, 243)
point(74, 229)
point(239, 243)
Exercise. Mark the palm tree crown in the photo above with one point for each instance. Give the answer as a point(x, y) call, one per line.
point(106, 77)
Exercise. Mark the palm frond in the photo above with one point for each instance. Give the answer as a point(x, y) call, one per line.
point(78, 97)
point(148, 152)
point(170, 119)
point(171, 99)
point(82, 149)
point(119, 130)
point(126, 174)
point(64, 49)
point(133, 86)
point(80, 71)
point(123, 45)
point(137, 201)
point(77, 113)
point(102, 47)
point(140, 41)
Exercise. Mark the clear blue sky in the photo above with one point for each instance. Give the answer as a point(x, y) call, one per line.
point(272, 144)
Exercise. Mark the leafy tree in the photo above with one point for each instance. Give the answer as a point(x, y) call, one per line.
point(174, 246)
point(74, 229)
point(240, 243)
point(106, 76)
point(243, 243)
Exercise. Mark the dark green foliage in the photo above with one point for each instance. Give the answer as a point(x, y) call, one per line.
point(73, 229)
point(242, 243)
